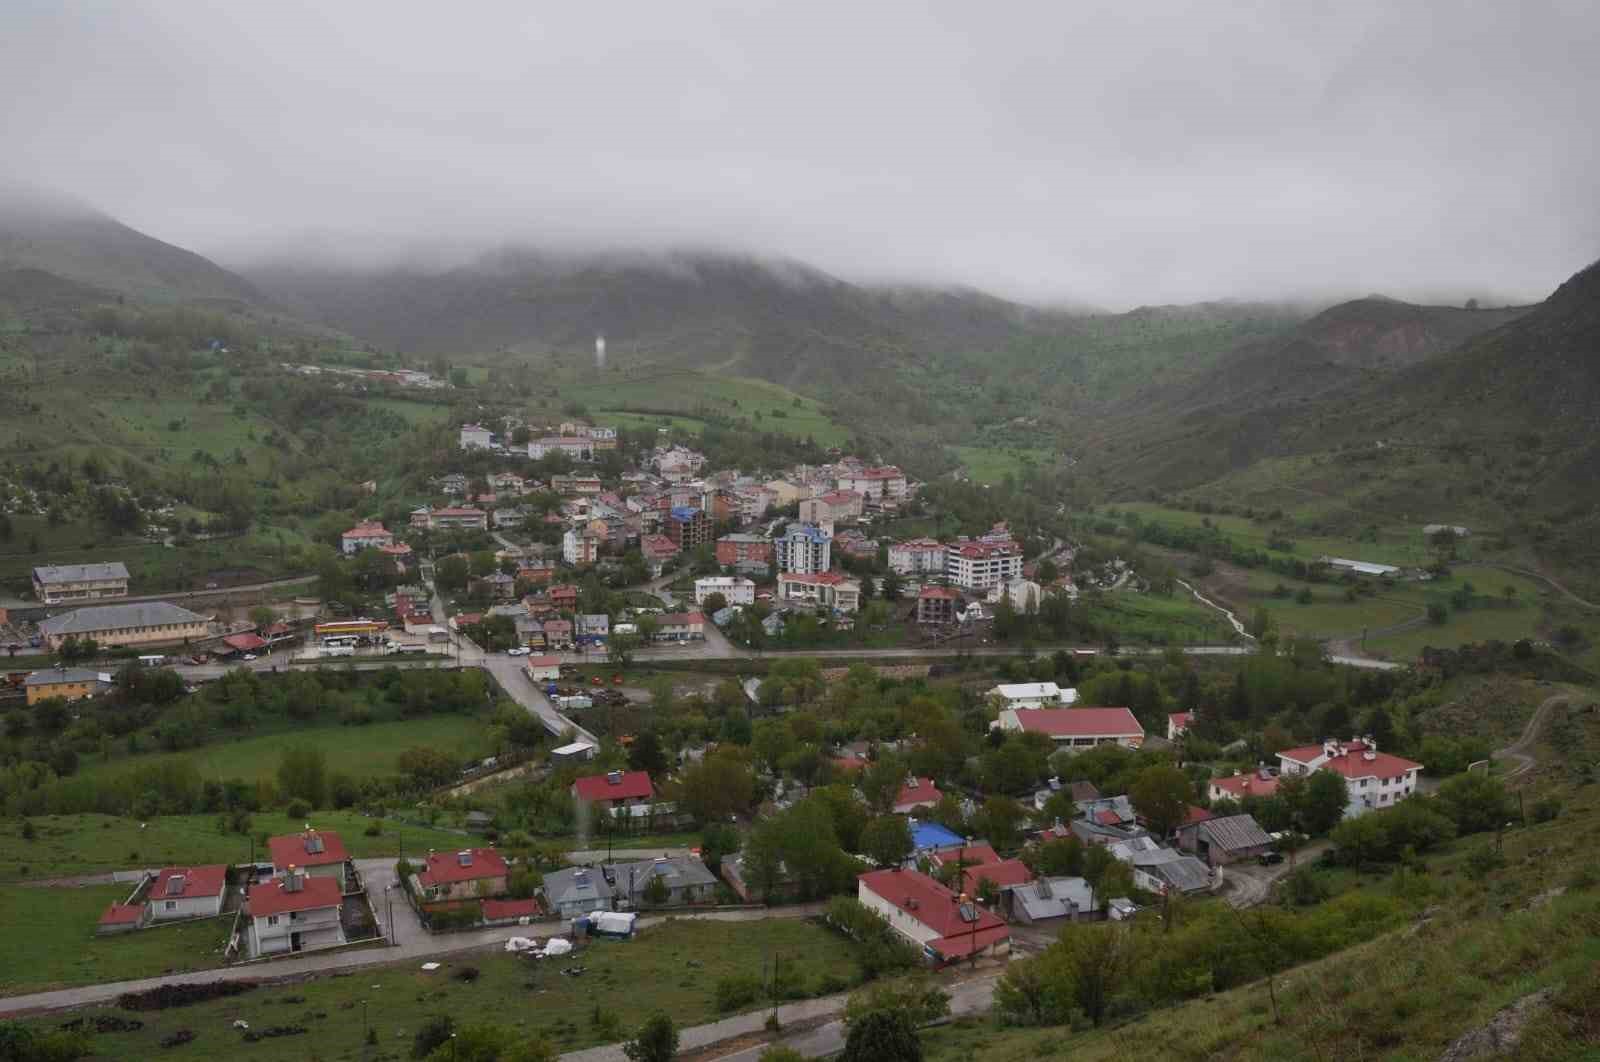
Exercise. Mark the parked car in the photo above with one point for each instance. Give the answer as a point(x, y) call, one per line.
point(249, 656)
point(517, 650)
point(1271, 858)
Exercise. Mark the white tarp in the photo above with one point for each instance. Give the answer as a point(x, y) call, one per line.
point(557, 946)
point(613, 923)
point(516, 944)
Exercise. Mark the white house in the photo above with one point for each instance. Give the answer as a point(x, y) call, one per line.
point(543, 668)
point(476, 437)
point(1076, 727)
point(918, 556)
point(187, 892)
point(735, 589)
point(824, 589)
point(1033, 695)
point(579, 547)
point(1375, 779)
point(1178, 724)
point(365, 536)
point(293, 913)
point(944, 925)
point(884, 484)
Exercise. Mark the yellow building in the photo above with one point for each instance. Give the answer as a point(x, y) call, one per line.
point(144, 623)
point(69, 683)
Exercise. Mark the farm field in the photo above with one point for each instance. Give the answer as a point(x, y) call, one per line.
point(672, 968)
point(69, 845)
point(991, 464)
point(152, 567)
point(363, 752)
point(60, 948)
point(1158, 620)
point(682, 393)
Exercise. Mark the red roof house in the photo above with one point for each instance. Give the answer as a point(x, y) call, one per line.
point(615, 788)
point(1077, 727)
point(463, 875)
point(916, 793)
point(275, 897)
point(931, 916)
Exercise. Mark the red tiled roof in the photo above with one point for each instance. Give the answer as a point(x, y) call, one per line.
point(922, 792)
point(1107, 817)
point(682, 619)
point(815, 578)
point(494, 910)
point(1382, 765)
point(1080, 722)
point(122, 914)
point(290, 850)
point(965, 943)
point(935, 906)
point(197, 882)
point(1193, 815)
point(459, 512)
point(972, 854)
point(632, 786)
point(939, 592)
point(1240, 786)
point(444, 868)
point(544, 661)
point(1180, 719)
point(1002, 872)
point(659, 545)
point(272, 898)
point(245, 643)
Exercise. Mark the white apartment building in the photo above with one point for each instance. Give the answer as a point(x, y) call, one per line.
point(735, 589)
point(980, 565)
point(476, 437)
point(805, 549)
point(919, 556)
point(1375, 779)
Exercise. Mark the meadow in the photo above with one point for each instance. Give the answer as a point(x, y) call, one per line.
point(362, 752)
point(683, 393)
point(672, 968)
point(71, 845)
point(60, 948)
point(992, 464)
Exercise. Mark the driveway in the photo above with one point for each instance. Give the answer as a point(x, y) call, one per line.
point(1249, 884)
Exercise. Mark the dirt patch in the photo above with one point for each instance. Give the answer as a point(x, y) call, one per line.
point(1501, 1034)
point(890, 671)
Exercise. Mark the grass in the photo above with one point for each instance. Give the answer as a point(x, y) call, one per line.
point(1155, 619)
point(361, 752)
point(684, 393)
point(992, 464)
point(59, 947)
point(1398, 545)
point(672, 968)
point(69, 845)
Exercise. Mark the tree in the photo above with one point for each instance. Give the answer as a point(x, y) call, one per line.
point(918, 998)
point(1475, 802)
point(1161, 795)
point(882, 1036)
point(886, 840)
point(656, 1041)
point(656, 891)
point(715, 602)
point(881, 782)
point(719, 785)
point(648, 755)
point(893, 586)
point(1317, 801)
point(303, 772)
point(620, 649)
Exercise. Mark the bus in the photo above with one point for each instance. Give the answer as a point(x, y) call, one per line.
point(357, 628)
point(154, 660)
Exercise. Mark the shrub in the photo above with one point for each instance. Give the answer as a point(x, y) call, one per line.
point(374, 828)
point(1546, 810)
point(737, 991)
point(182, 995)
point(435, 1032)
point(297, 809)
point(177, 1038)
point(467, 974)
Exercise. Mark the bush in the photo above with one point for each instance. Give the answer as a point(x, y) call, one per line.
point(1547, 810)
point(435, 1032)
point(374, 828)
point(297, 809)
point(182, 995)
point(467, 974)
point(1483, 862)
point(737, 991)
point(177, 1038)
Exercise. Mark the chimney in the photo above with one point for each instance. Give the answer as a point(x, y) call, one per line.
point(1369, 755)
point(613, 778)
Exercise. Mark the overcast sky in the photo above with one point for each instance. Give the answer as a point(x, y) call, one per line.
point(1116, 153)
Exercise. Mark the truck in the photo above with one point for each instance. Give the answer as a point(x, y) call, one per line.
point(575, 701)
point(397, 648)
point(339, 650)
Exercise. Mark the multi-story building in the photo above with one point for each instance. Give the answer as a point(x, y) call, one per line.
point(55, 583)
point(567, 486)
point(450, 519)
point(580, 547)
point(980, 565)
point(1374, 779)
point(834, 507)
point(804, 548)
point(735, 590)
point(744, 552)
point(365, 536)
point(68, 683)
point(143, 623)
point(937, 605)
point(823, 589)
point(318, 853)
point(919, 556)
point(576, 447)
point(877, 485)
point(476, 437)
point(687, 527)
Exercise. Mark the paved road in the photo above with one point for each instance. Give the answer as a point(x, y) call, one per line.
point(413, 945)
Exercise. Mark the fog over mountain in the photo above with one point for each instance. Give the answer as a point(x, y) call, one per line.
point(1101, 153)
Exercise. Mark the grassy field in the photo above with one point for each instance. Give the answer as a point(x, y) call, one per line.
point(672, 968)
point(363, 752)
point(1403, 545)
point(416, 413)
point(68, 845)
point(1154, 619)
point(152, 567)
point(991, 464)
point(60, 949)
point(683, 393)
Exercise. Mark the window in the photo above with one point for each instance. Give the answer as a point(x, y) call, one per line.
point(272, 920)
point(172, 905)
